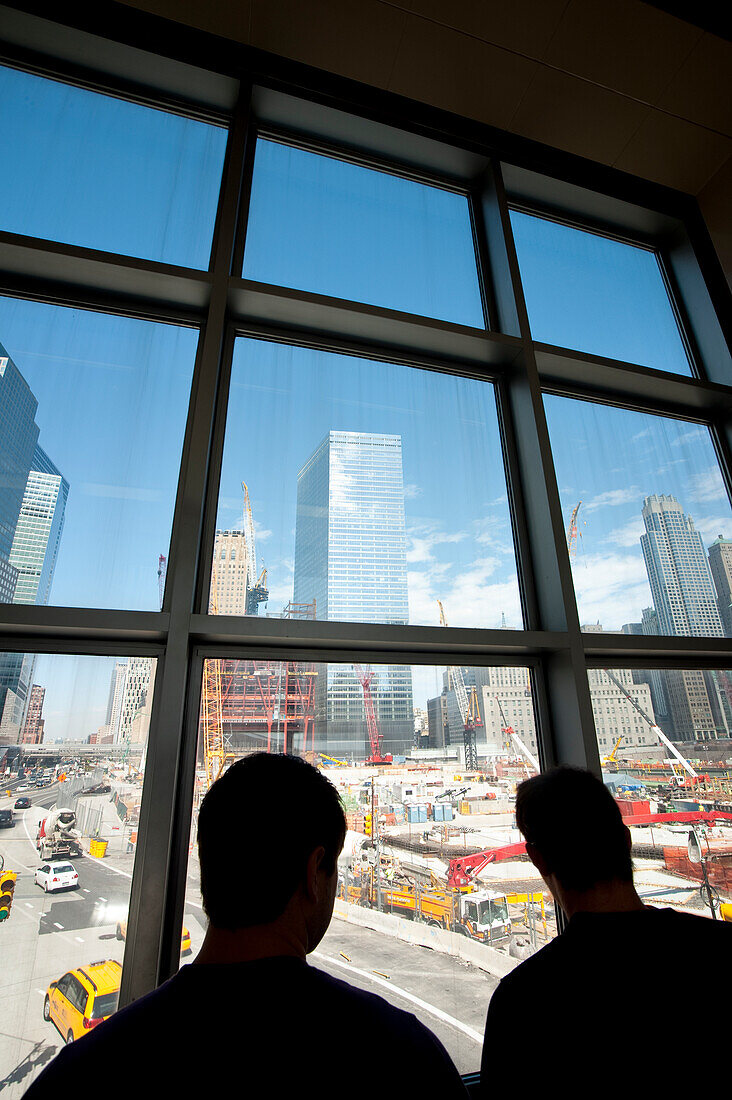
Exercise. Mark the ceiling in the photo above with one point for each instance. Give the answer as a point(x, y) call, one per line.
point(624, 83)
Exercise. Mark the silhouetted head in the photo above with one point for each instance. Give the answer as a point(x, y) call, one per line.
point(258, 826)
point(570, 819)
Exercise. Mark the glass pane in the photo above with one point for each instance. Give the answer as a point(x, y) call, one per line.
point(384, 494)
point(645, 505)
point(596, 295)
point(663, 737)
point(92, 416)
point(330, 227)
point(453, 743)
point(73, 741)
point(97, 171)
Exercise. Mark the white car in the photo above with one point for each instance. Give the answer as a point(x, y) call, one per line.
point(57, 876)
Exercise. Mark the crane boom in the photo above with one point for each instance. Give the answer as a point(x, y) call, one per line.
point(654, 728)
point(365, 676)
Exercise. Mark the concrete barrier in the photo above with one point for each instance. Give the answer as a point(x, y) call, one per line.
point(424, 935)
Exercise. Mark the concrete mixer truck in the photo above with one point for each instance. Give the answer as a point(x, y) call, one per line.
point(57, 836)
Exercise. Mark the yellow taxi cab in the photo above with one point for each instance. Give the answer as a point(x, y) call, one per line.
point(185, 937)
point(82, 998)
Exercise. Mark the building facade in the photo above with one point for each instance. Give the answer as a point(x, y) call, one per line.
point(32, 732)
point(720, 564)
point(230, 573)
point(351, 562)
point(685, 602)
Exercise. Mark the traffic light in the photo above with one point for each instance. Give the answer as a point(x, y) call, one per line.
point(7, 888)
point(367, 824)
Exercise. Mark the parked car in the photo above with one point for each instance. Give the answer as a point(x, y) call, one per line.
point(57, 876)
point(82, 998)
point(23, 802)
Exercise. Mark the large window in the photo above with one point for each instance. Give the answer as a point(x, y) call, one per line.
point(322, 435)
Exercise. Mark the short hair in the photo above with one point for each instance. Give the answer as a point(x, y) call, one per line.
point(575, 823)
point(257, 827)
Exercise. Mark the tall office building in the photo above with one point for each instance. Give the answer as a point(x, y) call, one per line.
point(720, 563)
point(685, 602)
point(33, 554)
point(230, 573)
point(18, 438)
point(351, 562)
point(38, 531)
point(134, 720)
point(32, 732)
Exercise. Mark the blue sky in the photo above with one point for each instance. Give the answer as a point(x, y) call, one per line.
point(113, 392)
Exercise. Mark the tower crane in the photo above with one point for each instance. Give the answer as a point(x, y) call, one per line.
point(572, 531)
point(257, 591)
point(654, 728)
point(162, 571)
point(467, 705)
point(212, 725)
point(365, 676)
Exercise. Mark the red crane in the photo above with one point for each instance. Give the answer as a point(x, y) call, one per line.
point(365, 676)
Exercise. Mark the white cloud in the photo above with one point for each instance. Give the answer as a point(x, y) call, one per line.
point(120, 492)
point(707, 485)
point(710, 527)
point(611, 588)
point(470, 596)
point(613, 498)
point(422, 541)
point(412, 491)
point(629, 534)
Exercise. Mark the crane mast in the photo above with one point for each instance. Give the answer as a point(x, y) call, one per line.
point(467, 705)
point(257, 591)
point(365, 676)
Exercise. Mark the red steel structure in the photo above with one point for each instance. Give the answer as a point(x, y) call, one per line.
point(269, 704)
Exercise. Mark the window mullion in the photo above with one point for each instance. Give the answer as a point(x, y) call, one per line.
point(154, 901)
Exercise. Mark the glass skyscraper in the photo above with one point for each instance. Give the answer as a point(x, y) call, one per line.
point(685, 602)
point(351, 561)
point(33, 495)
point(18, 438)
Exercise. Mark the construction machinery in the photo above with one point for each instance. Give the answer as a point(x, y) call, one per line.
point(57, 835)
point(377, 756)
point(257, 591)
point(482, 915)
point(468, 707)
point(510, 735)
point(162, 573)
point(611, 757)
point(572, 531)
point(679, 761)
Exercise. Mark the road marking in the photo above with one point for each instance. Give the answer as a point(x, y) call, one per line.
point(56, 925)
point(476, 1036)
point(101, 898)
point(78, 939)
